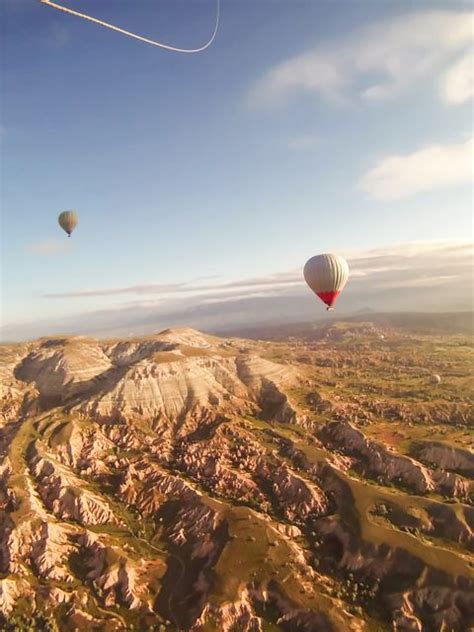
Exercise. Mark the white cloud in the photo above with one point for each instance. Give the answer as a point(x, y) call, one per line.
point(429, 168)
point(191, 288)
point(458, 84)
point(378, 61)
point(422, 282)
point(49, 247)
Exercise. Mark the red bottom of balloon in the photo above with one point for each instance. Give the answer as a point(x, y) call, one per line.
point(328, 297)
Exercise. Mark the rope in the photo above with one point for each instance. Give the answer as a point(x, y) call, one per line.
point(49, 3)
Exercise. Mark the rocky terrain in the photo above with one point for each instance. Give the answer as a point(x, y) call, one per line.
point(187, 482)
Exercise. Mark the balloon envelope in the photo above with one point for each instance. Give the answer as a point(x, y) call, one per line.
point(326, 275)
point(68, 221)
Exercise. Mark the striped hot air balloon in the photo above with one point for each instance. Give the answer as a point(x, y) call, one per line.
point(326, 275)
point(68, 221)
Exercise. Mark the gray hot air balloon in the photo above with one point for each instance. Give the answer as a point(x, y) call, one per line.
point(326, 275)
point(68, 221)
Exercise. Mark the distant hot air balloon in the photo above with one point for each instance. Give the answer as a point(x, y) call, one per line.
point(326, 275)
point(68, 221)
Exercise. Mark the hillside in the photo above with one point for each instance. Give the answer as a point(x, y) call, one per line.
point(183, 481)
point(411, 322)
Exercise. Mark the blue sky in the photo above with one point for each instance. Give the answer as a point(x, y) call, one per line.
point(306, 127)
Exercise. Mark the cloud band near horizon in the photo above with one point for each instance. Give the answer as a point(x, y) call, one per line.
point(415, 276)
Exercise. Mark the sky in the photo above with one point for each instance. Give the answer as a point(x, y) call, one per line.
point(204, 182)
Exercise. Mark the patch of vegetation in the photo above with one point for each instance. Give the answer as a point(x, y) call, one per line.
point(61, 434)
point(25, 623)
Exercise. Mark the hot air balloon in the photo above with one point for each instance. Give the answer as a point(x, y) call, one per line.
point(326, 275)
point(68, 221)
